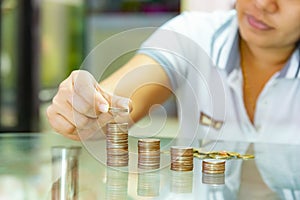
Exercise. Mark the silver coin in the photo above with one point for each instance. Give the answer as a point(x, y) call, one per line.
point(118, 110)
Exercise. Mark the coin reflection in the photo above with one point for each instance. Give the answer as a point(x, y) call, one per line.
point(213, 179)
point(117, 184)
point(148, 184)
point(182, 182)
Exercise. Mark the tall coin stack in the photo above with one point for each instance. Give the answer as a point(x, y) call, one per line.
point(213, 166)
point(181, 158)
point(148, 153)
point(117, 144)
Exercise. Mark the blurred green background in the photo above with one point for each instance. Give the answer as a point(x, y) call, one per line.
point(62, 34)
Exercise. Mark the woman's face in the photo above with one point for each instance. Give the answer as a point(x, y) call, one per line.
point(269, 23)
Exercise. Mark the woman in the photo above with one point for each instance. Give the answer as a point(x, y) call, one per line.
point(251, 94)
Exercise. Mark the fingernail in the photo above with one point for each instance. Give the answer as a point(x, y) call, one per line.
point(103, 108)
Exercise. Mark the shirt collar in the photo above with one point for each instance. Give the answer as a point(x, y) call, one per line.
point(292, 67)
point(225, 50)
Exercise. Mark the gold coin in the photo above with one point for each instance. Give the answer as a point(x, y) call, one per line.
point(219, 157)
point(233, 154)
point(246, 156)
point(195, 150)
point(118, 110)
point(200, 156)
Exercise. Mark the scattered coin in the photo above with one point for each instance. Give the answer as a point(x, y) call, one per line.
point(221, 155)
point(246, 156)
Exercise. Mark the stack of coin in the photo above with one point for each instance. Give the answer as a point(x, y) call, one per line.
point(213, 166)
point(181, 158)
point(117, 144)
point(148, 153)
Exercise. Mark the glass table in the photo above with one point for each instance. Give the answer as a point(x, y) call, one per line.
point(47, 166)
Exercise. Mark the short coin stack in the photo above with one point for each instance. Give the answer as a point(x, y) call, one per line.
point(148, 153)
point(181, 158)
point(213, 166)
point(117, 144)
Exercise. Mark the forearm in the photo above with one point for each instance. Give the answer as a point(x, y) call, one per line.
point(142, 80)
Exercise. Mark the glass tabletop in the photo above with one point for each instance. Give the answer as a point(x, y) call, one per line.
point(49, 166)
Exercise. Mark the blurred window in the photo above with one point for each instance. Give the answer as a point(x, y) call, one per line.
point(8, 64)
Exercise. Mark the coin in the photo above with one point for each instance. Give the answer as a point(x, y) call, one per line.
point(221, 155)
point(116, 110)
point(218, 156)
point(200, 156)
point(233, 154)
point(246, 156)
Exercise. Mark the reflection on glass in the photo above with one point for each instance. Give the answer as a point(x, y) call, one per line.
point(65, 172)
point(213, 179)
point(148, 184)
point(117, 184)
point(278, 166)
point(182, 182)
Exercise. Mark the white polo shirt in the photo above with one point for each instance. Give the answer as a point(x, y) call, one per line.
point(200, 54)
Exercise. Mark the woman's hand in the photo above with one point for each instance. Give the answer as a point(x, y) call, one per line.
point(80, 109)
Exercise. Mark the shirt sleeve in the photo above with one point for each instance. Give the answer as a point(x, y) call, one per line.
point(179, 43)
